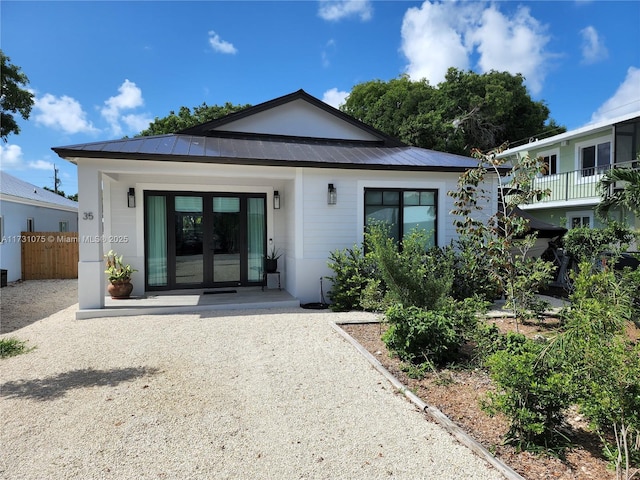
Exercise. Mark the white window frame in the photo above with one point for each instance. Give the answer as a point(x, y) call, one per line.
point(1, 229)
point(31, 224)
point(64, 223)
point(549, 153)
point(592, 143)
point(581, 214)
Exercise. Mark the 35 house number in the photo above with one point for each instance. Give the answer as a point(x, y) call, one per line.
point(87, 216)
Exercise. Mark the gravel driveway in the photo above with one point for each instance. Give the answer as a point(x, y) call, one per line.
point(239, 394)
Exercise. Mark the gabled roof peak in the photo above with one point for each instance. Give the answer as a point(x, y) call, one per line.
point(216, 127)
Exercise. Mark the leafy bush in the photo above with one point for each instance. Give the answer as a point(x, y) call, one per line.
point(413, 276)
point(417, 335)
point(603, 365)
point(587, 244)
point(532, 393)
point(353, 271)
point(10, 347)
point(472, 272)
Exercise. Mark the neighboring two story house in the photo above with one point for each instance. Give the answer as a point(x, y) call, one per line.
point(576, 160)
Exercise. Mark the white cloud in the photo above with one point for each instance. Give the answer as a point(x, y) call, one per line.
point(63, 113)
point(593, 49)
point(331, 45)
point(137, 122)
point(515, 45)
point(220, 45)
point(335, 97)
point(626, 98)
point(437, 36)
point(433, 40)
point(10, 156)
point(335, 10)
point(129, 97)
point(41, 165)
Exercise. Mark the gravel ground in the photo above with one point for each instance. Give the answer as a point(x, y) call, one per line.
point(242, 394)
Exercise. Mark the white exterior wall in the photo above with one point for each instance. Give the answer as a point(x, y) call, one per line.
point(324, 228)
point(306, 229)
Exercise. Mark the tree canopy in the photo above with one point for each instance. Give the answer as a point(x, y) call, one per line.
point(185, 118)
point(14, 97)
point(465, 111)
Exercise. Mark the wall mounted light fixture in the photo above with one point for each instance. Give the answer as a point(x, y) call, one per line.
point(131, 198)
point(332, 195)
point(276, 200)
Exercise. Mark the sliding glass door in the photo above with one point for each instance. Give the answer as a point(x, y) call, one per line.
point(199, 240)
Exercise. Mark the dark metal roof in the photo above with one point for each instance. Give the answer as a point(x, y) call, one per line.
point(272, 151)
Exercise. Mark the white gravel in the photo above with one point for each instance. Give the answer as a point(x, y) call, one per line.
point(241, 394)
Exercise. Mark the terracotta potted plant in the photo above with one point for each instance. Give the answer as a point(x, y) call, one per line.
point(119, 276)
point(271, 261)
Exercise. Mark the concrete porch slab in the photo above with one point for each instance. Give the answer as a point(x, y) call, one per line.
point(189, 301)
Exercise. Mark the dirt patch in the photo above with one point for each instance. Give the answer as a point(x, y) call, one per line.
point(457, 394)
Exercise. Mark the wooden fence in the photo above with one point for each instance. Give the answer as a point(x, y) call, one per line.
point(49, 255)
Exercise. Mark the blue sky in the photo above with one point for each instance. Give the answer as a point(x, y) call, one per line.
point(103, 70)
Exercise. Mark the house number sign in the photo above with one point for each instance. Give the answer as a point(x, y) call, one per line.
point(87, 215)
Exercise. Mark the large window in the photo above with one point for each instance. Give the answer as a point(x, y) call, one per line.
point(403, 211)
point(595, 158)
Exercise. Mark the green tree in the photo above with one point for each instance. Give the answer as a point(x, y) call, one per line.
point(14, 97)
point(467, 110)
point(186, 118)
point(627, 197)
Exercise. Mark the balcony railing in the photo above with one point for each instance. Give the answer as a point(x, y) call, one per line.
point(577, 184)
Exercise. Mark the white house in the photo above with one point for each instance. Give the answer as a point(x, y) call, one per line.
point(575, 162)
point(202, 207)
point(27, 208)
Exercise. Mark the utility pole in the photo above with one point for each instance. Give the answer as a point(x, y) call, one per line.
point(56, 180)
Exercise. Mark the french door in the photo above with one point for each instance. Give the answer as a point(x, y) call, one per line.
point(199, 240)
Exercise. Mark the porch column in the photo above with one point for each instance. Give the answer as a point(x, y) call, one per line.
point(91, 276)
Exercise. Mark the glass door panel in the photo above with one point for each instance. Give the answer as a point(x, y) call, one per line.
point(226, 239)
point(188, 239)
point(156, 240)
point(255, 238)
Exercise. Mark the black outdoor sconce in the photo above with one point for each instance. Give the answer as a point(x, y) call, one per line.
point(131, 198)
point(332, 195)
point(276, 200)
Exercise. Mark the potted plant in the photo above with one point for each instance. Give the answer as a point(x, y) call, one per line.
point(119, 276)
point(271, 261)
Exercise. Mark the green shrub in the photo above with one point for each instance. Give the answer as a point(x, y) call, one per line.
point(472, 272)
point(10, 347)
point(412, 275)
point(603, 365)
point(586, 244)
point(417, 335)
point(352, 272)
point(532, 393)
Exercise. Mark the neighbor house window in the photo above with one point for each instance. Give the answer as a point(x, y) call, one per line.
point(63, 226)
point(550, 161)
point(402, 211)
point(579, 219)
point(594, 158)
point(1, 229)
point(30, 225)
